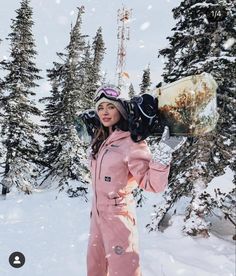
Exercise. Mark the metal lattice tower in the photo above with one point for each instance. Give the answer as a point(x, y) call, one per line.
point(123, 34)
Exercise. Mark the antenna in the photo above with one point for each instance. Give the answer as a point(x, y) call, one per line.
point(123, 35)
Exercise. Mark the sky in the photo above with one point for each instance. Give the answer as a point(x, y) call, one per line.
point(150, 24)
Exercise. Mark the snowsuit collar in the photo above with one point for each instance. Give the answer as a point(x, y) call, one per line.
point(115, 136)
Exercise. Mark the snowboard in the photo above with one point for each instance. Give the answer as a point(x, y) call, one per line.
point(188, 106)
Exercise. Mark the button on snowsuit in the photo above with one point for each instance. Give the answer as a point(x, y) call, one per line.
point(121, 164)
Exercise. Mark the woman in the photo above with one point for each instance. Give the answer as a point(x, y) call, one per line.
point(118, 165)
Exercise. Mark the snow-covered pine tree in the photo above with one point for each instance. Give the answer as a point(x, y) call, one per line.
point(201, 44)
point(98, 56)
point(1, 114)
point(131, 92)
point(18, 129)
point(146, 81)
point(63, 150)
point(1, 86)
point(88, 87)
point(91, 70)
point(53, 116)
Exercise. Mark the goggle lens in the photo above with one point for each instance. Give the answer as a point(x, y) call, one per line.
point(109, 92)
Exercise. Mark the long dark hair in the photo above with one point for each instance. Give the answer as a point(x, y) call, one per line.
point(103, 132)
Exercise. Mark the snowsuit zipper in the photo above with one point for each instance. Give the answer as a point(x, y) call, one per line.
point(101, 163)
point(96, 188)
point(98, 175)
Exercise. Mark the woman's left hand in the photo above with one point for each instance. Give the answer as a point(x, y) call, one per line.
point(162, 153)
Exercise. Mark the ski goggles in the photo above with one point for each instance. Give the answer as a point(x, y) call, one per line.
point(108, 92)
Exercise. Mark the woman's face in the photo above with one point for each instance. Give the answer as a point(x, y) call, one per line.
point(108, 114)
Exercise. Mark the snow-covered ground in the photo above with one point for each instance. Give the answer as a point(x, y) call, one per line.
point(52, 234)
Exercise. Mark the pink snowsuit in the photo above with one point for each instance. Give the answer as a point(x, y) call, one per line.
point(121, 164)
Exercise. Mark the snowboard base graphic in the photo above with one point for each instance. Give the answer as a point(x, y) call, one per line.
point(188, 106)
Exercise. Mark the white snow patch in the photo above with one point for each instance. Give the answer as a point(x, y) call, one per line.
point(205, 20)
point(227, 142)
point(202, 5)
point(171, 253)
point(58, 1)
point(223, 182)
point(72, 12)
point(145, 26)
point(216, 159)
point(53, 235)
point(149, 7)
point(229, 43)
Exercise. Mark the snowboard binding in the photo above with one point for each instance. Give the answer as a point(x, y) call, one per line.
point(86, 124)
point(142, 116)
